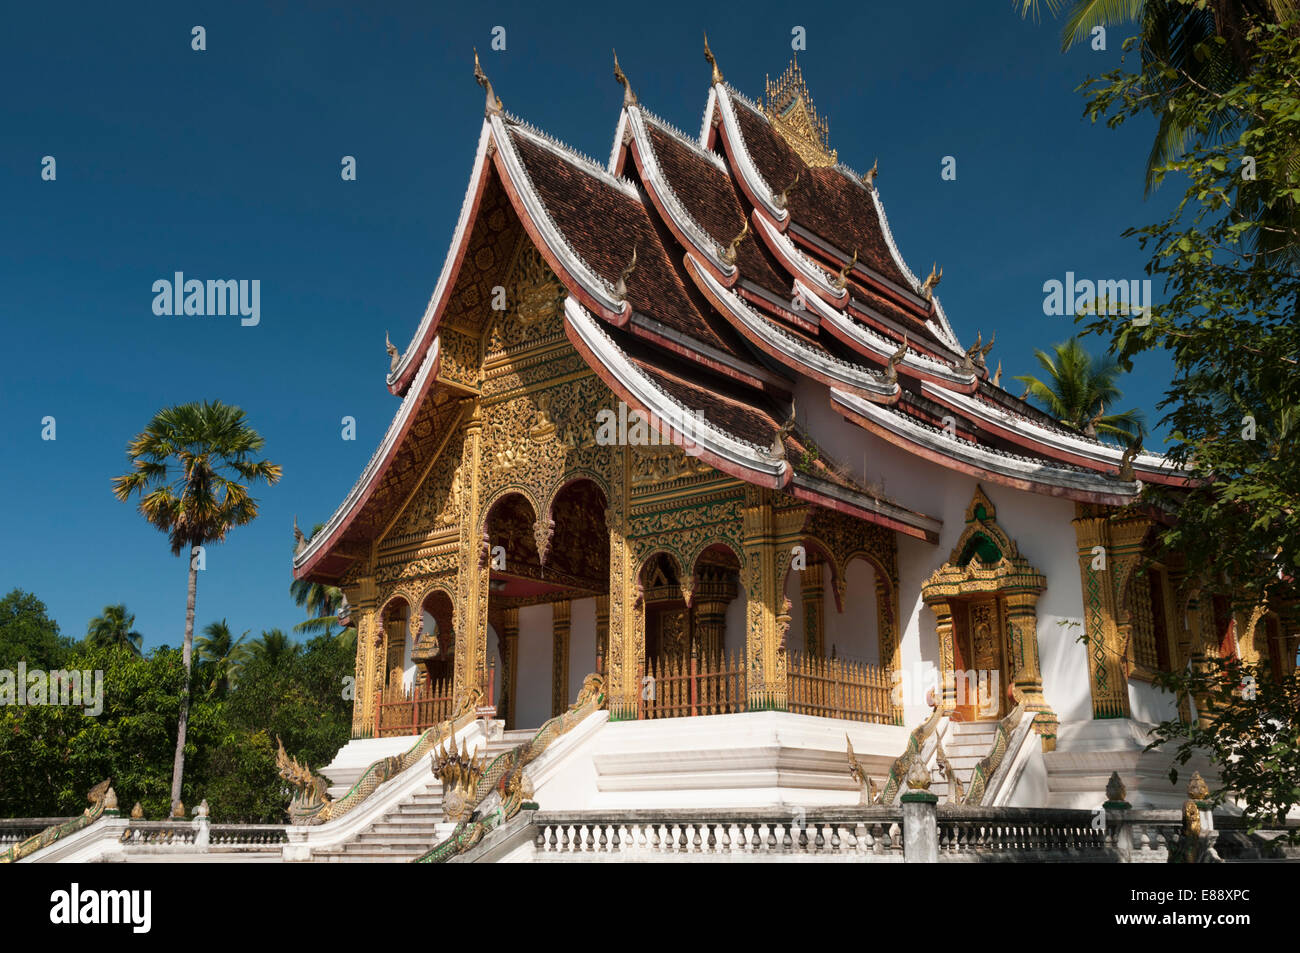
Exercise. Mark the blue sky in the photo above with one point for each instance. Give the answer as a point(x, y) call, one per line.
point(225, 164)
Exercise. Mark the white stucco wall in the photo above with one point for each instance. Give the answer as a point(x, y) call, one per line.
point(1040, 525)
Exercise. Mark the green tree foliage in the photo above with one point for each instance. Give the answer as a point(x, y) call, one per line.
point(1230, 320)
point(1078, 389)
point(220, 656)
point(59, 752)
point(1251, 732)
point(114, 628)
point(28, 634)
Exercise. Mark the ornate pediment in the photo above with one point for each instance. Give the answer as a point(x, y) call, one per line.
point(789, 108)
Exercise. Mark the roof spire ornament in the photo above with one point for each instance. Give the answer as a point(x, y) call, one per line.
point(729, 256)
point(393, 356)
point(629, 97)
point(841, 281)
point(788, 105)
point(620, 288)
point(708, 55)
point(931, 282)
point(1126, 462)
point(781, 200)
point(891, 370)
point(869, 180)
point(493, 106)
point(299, 540)
point(997, 375)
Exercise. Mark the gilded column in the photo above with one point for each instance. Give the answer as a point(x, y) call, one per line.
point(769, 534)
point(509, 665)
point(947, 700)
point(1106, 679)
point(472, 576)
point(561, 615)
point(1027, 680)
point(624, 647)
point(814, 621)
point(1123, 556)
point(713, 593)
point(362, 600)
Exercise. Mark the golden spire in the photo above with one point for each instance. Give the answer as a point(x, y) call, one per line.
point(789, 108)
point(629, 97)
point(708, 55)
point(493, 101)
point(869, 180)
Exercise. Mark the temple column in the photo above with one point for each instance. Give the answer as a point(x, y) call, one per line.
point(361, 598)
point(626, 645)
point(1027, 680)
point(1106, 679)
point(947, 700)
point(713, 593)
point(509, 647)
point(472, 576)
point(813, 593)
point(561, 615)
point(769, 535)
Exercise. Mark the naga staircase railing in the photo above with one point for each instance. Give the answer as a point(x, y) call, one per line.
point(915, 742)
point(101, 799)
point(988, 765)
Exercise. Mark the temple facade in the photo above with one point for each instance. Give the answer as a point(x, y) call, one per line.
point(687, 419)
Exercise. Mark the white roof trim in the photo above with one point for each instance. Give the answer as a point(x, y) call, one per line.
point(1010, 465)
point(709, 105)
point(866, 501)
point(618, 142)
point(812, 273)
point(743, 160)
point(412, 400)
point(680, 418)
point(792, 348)
point(1084, 447)
point(458, 237)
point(591, 282)
point(884, 348)
point(703, 241)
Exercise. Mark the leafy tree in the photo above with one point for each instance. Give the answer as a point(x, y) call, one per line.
point(1230, 322)
point(113, 629)
point(1250, 729)
point(28, 634)
point(323, 604)
point(1078, 389)
point(189, 468)
point(221, 654)
point(273, 648)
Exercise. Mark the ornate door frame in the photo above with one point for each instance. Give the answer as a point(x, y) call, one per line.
point(986, 561)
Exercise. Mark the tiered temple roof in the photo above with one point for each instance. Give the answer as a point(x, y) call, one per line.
point(707, 275)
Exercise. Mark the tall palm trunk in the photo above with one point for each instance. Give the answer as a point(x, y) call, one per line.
point(178, 764)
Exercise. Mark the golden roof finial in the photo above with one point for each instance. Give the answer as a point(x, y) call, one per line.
point(841, 281)
point(788, 105)
point(493, 101)
point(629, 97)
point(869, 180)
point(783, 199)
point(708, 55)
point(620, 289)
point(729, 256)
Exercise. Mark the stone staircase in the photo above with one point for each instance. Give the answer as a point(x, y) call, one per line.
point(966, 743)
point(407, 831)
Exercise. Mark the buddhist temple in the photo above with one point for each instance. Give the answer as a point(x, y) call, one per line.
point(686, 419)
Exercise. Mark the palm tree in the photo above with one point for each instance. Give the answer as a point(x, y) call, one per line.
point(113, 629)
point(219, 649)
point(274, 648)
point(323, 604)
point(1078, 389)
point(189, 468)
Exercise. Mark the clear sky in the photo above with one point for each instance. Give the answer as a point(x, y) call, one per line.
point(225, 164)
